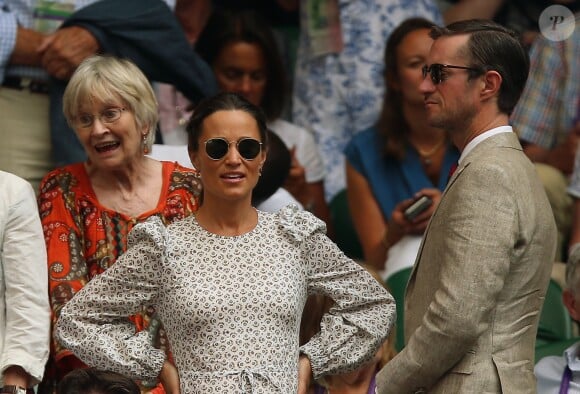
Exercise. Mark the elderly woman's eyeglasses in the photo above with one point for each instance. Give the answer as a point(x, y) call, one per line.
point(108, 116)
point(217, 148)
point(436, 71)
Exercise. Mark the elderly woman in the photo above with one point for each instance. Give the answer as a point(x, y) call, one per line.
point(87, 209)
point(230, 282)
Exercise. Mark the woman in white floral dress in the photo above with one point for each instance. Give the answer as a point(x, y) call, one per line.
point(230, 282)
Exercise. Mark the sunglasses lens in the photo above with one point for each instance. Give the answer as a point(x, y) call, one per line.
point(436, 70)
point(249, 148)
point(216, 148)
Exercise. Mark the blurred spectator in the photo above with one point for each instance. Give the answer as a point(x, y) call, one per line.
point(574, 191)
point(544, 120)
point(521, 16)
point(457, 10)
point(338, 82)
point(38, 55)
point(398, 158)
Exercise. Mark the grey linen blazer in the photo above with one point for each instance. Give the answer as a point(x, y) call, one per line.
point(474, 297)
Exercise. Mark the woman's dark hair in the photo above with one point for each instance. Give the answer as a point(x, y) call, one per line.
point(227, 26)
point(95, 381)
point(392, 125)
point(224, 101)
point(493, 47)
point(275, 170)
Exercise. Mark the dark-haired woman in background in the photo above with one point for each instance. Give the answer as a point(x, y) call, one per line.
point(399, 158)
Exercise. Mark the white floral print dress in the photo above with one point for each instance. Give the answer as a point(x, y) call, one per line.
point(231, 305)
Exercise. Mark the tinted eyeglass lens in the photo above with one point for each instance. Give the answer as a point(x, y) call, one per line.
point(216, 148)
point(249, 148)
point(434, 72)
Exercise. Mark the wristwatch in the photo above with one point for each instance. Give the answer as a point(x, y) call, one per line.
point(11, 389)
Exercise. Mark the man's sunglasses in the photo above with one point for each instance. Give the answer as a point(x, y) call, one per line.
point(436, 71)
point(217, 148)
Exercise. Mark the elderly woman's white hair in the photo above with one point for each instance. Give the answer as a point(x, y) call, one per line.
point(107, 78)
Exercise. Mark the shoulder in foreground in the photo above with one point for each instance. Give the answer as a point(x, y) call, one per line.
point(300, 224)
point(9, 181)
point(15, 190)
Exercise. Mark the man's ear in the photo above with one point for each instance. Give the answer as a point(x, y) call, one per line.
point(491, 84)
point(569, 300)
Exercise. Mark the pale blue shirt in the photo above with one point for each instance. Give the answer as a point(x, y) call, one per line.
point(549, 371)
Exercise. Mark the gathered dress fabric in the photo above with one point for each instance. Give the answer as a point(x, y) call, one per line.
point(231, 305)
point(84, 239)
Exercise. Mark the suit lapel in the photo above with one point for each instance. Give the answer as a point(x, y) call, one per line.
point(506, 140)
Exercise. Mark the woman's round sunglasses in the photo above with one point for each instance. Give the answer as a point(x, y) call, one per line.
point(217, 148)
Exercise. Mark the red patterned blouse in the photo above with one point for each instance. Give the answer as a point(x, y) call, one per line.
point(83, 239)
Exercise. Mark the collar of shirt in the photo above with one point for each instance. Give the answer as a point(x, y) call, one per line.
point(572, 358)
point(482, 137)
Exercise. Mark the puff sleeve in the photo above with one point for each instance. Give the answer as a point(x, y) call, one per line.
point(96, 317)
point(363, 313)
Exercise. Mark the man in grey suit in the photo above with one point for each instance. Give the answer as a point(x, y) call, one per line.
point(473, 300)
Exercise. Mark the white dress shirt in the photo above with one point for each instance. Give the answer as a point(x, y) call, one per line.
point(24, 307)
point(549, 371)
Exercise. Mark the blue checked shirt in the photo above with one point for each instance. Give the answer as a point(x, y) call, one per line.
point(21, 12)
point(549, 104)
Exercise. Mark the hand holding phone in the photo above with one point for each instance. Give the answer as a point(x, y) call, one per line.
point(417, 207)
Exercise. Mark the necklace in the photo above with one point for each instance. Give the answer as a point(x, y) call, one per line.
point(426, 154)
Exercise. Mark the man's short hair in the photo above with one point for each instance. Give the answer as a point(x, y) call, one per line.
point(493, 47)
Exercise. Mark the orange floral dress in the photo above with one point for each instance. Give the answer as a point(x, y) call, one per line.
point(83, 239)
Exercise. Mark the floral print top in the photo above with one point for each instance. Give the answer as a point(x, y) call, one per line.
point(83, 239)
point(231, 305)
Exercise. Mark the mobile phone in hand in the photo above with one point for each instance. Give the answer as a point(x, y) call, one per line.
point(417, 207)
